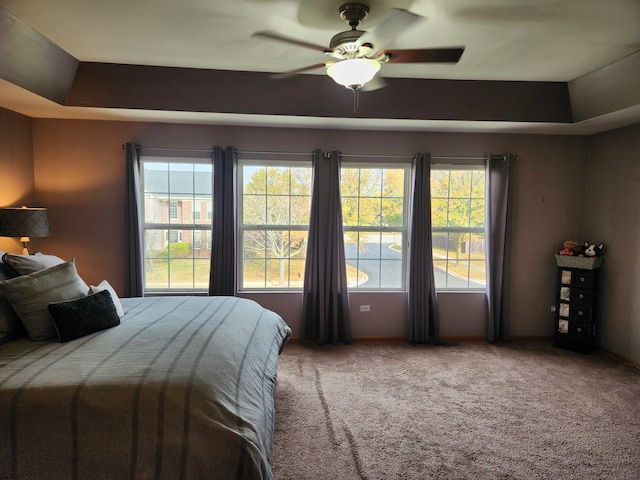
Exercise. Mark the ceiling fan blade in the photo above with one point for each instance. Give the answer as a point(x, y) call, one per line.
point(292, 41)
point(388, 30)
point(426, 55)
point(299, 70)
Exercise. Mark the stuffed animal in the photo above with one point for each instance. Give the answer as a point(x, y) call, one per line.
point(593, 250)
point(570, 248)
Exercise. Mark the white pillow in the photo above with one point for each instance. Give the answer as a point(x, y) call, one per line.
point(30, 295)
point(104, 285)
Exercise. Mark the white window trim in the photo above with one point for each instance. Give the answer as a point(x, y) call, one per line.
point(464, 164)
point(241, 227)
point(382, 229)
point(170, 226)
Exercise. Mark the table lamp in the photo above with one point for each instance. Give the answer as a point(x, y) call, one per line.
point(24, 222)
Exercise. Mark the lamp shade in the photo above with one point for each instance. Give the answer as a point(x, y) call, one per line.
point(24, 222)
point(353, 73)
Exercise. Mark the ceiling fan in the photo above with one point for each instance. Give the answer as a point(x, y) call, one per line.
point(357, 54)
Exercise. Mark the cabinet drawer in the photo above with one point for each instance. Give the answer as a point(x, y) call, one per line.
point(580, 313)
point(579, 336)
point(580, 296)
point(581, 279)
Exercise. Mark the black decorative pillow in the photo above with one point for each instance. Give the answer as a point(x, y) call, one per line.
point(83, 316)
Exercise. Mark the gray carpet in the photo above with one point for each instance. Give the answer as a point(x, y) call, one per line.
point(525, 410)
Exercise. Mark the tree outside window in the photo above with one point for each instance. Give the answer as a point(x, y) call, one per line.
point(458, 227)
point(275, 222)
point(373, 215)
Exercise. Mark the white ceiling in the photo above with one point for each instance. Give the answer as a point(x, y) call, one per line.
point(545, 40)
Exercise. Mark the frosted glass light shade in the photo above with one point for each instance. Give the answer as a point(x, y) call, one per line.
point(353, 73)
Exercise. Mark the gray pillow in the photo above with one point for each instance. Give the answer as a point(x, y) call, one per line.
point(9, 321)
point(26, 264)
point(29, 295)
point(5, 271)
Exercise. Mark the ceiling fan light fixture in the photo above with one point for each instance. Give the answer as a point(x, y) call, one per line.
point(353, 73)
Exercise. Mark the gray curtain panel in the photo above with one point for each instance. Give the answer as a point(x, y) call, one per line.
point(325, 304)
point(134, 267)
point(421, 288)
point(222, 278)
point(499, 206)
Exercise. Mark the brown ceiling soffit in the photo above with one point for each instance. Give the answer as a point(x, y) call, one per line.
point(220, 91)
point(32, 61)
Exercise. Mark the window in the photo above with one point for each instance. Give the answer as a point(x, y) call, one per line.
point(175, 191)
point(196, 210)
point(458, 226)
point(274, 212)
point(374, 218)
point(173, 210)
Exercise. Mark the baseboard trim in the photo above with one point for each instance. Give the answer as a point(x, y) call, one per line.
point(620, 358)
point(364, 339)
point(480, 338)
point(446, 338)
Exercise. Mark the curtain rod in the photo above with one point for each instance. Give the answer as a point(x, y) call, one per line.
point(433, 157)
point(354, 155)
point(257, 152)
point(210, 150)
point(458, 157)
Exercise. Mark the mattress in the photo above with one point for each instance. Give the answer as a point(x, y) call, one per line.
point(181, 389)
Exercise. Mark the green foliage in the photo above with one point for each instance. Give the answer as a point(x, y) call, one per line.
point(457, 198)
point(180, 249)
point(177, 249)
point(371, 197)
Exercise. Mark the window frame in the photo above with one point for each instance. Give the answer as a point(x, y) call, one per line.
point(404, 229)
point(169, 227)
point(463, 164)
point(241, 227)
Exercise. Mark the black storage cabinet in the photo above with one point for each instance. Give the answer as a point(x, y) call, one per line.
point(576, 303)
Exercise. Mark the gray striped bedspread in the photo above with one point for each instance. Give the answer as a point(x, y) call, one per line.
point(181, 389)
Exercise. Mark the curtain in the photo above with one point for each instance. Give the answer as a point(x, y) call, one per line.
point(134, 267)
point(500, 192)
point(325, 305)
point(421, 288)
point(222, 278)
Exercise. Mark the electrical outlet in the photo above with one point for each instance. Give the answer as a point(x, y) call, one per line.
point(553, 308)
point(365, 308)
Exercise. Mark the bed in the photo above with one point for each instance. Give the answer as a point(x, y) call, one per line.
point(182, 388)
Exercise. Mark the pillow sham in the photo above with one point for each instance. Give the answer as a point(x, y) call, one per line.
point(29, 296)
point(26, 264)
point(5, 271)
point(104, 285)
point(9, 321)
point(86, 315)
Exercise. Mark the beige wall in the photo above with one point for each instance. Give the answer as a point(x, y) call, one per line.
point(612, 216)
point(77, 170)
point(16, 168)
point(80, 177)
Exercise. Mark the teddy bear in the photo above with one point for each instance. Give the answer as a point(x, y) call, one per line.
point(570, 248)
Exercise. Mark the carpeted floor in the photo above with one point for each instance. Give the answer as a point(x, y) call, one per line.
point(525, 410)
